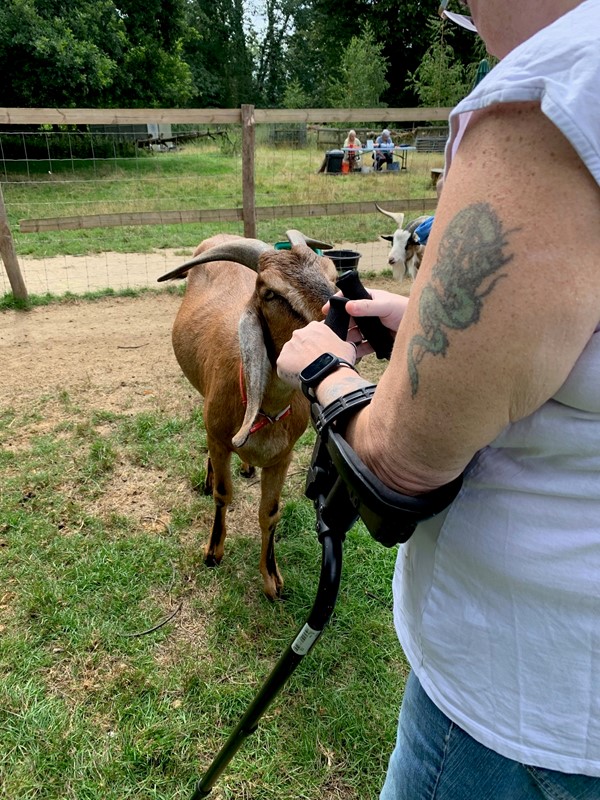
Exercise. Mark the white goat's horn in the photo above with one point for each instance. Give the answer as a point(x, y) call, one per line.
point(397, 217)
point(296, 237)
point(245, 251)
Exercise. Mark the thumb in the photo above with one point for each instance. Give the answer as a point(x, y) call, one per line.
point(362, 308)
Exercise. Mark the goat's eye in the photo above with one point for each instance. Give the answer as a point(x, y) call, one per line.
point(270, 295)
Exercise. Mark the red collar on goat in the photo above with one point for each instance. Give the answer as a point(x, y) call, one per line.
point(263, 419)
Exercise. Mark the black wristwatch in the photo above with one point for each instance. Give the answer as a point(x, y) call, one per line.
point(312, 375)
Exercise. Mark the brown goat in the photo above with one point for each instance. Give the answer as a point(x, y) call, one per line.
point(229, 331)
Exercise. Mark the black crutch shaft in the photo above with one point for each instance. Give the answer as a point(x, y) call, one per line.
point(329, 582)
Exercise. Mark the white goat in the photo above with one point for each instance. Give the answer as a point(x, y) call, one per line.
point(236, 315)
point(407, 251)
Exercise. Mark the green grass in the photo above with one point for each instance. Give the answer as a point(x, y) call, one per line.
point(199, 176)
point(8, 301)
point(89, 711)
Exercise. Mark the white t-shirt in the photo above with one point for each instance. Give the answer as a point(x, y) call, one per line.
point(497, 601)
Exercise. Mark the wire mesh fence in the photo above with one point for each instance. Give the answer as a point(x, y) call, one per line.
point(91, 209)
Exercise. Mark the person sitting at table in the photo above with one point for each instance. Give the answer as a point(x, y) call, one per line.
point(351, 150)
point(383, 149)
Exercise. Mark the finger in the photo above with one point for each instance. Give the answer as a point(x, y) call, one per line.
point(363, 349)
point(364, 308)
point(325, 308)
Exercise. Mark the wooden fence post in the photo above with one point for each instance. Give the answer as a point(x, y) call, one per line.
point(248, 191)
point(9, 255)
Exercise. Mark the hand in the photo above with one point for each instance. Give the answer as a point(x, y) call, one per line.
point(388, 306)
point(307, 344)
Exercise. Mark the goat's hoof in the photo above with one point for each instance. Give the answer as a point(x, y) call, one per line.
point(211, 560)
point(274, 587)
point(247, 471)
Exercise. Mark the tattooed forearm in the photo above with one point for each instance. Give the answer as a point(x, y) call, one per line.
point(471, 255)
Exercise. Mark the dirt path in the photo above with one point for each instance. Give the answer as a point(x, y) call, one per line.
point(91, 273)
point(112, 352)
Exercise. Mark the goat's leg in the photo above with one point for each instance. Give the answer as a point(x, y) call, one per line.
point(412, 267)
point(247, 470)
point(219, 469)
point(271, 483)
point(209, 480)
point(399, 270)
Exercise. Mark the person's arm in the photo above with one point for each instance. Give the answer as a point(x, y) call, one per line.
point(506, 298)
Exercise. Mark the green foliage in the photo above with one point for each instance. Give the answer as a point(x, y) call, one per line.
point(440, 79)
point(65, 143)
point(294, 95)
point(45, 62)
point(271, 72)
point(148, 53)
point(92, 53)
point(363, 68)
point(216, 50)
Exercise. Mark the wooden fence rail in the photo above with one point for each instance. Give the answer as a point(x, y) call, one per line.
point(262, 214)
point(248, 117)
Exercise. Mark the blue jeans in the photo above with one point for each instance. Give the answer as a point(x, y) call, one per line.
point(435, 760)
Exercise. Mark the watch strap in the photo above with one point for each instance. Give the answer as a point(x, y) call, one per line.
point(336, 363)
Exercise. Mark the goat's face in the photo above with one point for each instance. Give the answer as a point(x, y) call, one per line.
point(291, 288)
point(404, 246)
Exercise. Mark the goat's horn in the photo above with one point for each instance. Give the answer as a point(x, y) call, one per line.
point(295, 237)
point(244, 251)
point(397, 217)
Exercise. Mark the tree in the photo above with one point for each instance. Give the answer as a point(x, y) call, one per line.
point(92, 53)
point(322, 31)
point(271, 73)
point(153, 71)
point(216, 50)
point(208, 53)
point(406, 36)
point(43, 61)
point(295, 96)
point(440, 79)
point(362, 74)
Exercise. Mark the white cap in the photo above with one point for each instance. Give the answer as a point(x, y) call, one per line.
point(460, 19)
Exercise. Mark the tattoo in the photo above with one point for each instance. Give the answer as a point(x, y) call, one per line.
point(471, 254)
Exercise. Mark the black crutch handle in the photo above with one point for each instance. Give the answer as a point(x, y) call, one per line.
point(337, 318)
point(372, 328)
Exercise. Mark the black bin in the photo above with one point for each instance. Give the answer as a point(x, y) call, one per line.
point(333, 160)
point(343, 260)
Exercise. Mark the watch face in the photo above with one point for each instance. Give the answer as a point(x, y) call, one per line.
point(316, 367)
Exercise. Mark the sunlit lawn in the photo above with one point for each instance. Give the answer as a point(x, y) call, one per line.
point(200, 176)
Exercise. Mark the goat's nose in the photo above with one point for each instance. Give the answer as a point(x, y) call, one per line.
point(391, 260)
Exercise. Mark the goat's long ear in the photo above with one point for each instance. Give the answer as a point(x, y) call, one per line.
point(387, 238)
point(244, 251)
point(256, 368)
point(397, 217)
point(295, 237)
